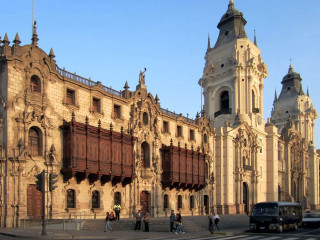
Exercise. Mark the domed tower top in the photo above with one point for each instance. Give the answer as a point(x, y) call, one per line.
point(291, 85)
point(231, 26)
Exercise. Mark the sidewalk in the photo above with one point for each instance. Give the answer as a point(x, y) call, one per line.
point(196, 227)
point(121, 234)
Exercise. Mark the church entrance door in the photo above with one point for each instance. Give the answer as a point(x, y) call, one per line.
point(34, 202)
point(144, 201)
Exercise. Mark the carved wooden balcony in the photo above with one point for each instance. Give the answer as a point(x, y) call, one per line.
point(96, 153)
point(182, 168)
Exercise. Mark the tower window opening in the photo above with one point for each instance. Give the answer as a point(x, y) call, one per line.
point(224, 100)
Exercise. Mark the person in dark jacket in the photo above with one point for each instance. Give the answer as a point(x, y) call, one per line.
point(146, 221)
point(210, 224)
point(172, 218)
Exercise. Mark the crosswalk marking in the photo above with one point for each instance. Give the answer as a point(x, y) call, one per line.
point(235, 237)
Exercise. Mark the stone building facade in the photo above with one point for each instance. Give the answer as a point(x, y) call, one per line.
point(256, 161)
point(109, 146)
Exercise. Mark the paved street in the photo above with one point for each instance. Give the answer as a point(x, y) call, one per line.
point(231, 227)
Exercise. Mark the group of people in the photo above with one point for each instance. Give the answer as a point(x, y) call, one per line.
point(139, 217)
point(213, 222)
point(176, 222)
point(110, 217)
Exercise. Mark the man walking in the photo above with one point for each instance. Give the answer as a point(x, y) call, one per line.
point(216, 220)
point(172, 218)
point(117, 208)
point(138, 220)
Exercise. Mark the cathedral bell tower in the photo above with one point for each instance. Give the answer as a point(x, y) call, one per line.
point(295, 106)
point(233, 75)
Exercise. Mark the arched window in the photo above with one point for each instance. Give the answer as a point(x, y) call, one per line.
point(224, 100)
point(145, 118)
point(117, 198)
point(244, 161)
point(205, 138)
point(191, 202)
point(35, 84)
point(145, 155)
point(34, 141)
point(179, 201)
point(165, 201)
point(71, 198)
point(95, 199)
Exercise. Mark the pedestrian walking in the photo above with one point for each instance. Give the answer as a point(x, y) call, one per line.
point(216, 220)
point(210, 224)
point(138, 220)
point(178, 220)
point(172, 218)
point(117, 208)
point(107, 225)
point(146, 221)
point(112, 217)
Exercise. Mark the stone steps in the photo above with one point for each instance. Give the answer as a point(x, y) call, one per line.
point(156, 224)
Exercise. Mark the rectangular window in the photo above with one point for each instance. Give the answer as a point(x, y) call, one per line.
point(191, 135)
point(96, 105)
point(165, 127)
point(179, 131)
point(70, 97)
point(116, 111)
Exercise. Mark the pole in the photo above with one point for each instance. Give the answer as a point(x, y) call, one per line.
point(44, 231)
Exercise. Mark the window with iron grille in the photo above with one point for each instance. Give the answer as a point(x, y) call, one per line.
point(95, 199)
point(179, 201)
point(71, 201)
point(191, 202)
point(117, 198)
point(165, 201)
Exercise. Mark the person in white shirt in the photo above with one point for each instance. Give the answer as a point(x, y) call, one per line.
point(216, 220)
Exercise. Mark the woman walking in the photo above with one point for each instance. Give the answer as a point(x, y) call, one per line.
point(107, 223)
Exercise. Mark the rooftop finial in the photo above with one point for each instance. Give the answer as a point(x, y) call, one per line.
point(126, 86)
point(308, 92)
point(290, 67)
point(17, 39)
point(35, 35)
point(5, 40)
point(275, 95)
point(255, 38)
point(231, 5)
point(209, 44)
point(51, 54)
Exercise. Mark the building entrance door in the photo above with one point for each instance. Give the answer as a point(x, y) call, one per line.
point(34, 202)
point(206, 204)
point(144, 201)
point(245, 198)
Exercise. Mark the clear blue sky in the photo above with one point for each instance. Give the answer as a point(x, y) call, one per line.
point(112, 40)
